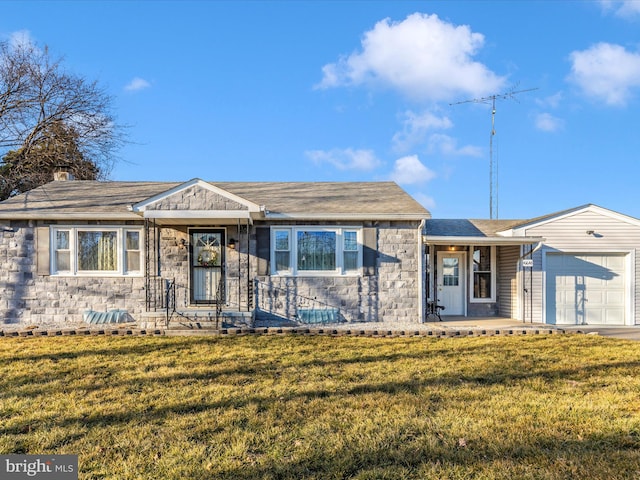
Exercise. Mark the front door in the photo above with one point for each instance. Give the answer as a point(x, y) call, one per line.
point(451, 282)
point(207, 266)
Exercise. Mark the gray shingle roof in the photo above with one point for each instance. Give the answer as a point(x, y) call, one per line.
point(74, 198)
point(468, 228)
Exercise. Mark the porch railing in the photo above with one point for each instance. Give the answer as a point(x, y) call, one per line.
point(156, 293)
point(285, 304)
point(219, 299)
point(162, 294)
point(170, 299)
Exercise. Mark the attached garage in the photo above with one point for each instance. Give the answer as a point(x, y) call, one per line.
point(586, 271)
point(586, 289)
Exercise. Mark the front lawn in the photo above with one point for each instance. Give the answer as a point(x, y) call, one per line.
point(296, 407)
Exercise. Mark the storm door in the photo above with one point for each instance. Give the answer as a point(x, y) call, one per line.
point(451, 282)
point(207, 266)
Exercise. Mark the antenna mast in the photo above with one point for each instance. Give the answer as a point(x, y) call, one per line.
point(493, 163)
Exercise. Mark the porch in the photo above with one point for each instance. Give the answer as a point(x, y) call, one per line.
point(462, 322)
point(476, 270)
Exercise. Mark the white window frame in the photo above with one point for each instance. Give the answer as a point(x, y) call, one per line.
point(126, 251)
point(274, 263)
point(293, 251)
point(493, 272)
point(121, 259)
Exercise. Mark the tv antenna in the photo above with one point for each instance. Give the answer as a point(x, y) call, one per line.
point(493, 163)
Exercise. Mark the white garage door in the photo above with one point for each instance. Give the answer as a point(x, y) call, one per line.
point(585, 289)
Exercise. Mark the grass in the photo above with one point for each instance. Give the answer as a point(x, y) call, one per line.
point(284, 407)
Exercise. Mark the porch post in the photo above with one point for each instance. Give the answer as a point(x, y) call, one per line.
point(239, 269)
point(421, 273)
point(248, 268)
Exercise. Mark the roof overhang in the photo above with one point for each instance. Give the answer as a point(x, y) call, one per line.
point(70, 216)
point(455, 240)
point(199, 217)
point(345, 216)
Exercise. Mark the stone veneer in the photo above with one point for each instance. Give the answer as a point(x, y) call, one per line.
point(391, 295)
point(29, 298)
point(196, 198)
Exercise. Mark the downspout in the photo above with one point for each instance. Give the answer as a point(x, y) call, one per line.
point(532, 251)
point(421, 271)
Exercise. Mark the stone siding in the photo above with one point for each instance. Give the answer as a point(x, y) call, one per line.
point(390, 295)
point(29, 298)
point(196, 198)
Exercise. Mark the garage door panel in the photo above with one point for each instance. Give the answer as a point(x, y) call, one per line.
point(594, 317)
point(586, 288)
point(614, 298)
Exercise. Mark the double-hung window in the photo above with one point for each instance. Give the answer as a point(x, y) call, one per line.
point(306, 250)
point(96, 251)
point(483, 281)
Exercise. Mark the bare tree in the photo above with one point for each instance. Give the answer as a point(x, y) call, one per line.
point(50, 118)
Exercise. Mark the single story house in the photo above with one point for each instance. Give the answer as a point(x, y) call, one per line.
point(241, 251)
point(315, 252)
point(575, 267)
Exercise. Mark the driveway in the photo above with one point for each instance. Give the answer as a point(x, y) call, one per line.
point(626, 333)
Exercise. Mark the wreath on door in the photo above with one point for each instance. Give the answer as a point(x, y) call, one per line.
point(208, 257)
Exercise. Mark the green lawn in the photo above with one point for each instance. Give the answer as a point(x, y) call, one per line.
point(295, 407)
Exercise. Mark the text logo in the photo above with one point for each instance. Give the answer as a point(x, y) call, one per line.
point(41, 467)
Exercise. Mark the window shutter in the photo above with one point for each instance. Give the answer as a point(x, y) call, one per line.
point(369, 251)
point(263, 250)
point(43, 263)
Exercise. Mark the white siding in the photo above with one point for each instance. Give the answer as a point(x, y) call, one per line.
point(507, 281)
point(613, 233)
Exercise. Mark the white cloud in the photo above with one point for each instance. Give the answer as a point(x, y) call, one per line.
point(606, 72)
point(622, 8)
point(410, 170)
point(137, 84)
point(422, 57)
point(548, 123)
point(446, 145)
point(345, 159)
point(416, 128)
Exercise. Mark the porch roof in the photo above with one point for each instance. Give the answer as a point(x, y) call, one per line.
point(474, 232)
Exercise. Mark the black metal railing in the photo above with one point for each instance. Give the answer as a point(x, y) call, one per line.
point(285, 304)
point(155, 293)
point(219, 299)
point(169, 299)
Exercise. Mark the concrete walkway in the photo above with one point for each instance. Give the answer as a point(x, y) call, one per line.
point(449, 327)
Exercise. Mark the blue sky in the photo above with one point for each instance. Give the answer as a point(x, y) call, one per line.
point(366, 91)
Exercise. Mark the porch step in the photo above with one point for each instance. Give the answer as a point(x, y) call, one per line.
point(198, 319)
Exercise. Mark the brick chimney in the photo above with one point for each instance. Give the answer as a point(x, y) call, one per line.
point(62, 174)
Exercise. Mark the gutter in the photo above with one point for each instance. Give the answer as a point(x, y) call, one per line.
point(70, 216)
point(455, 240)
point(344, 216)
